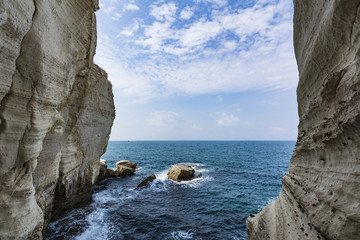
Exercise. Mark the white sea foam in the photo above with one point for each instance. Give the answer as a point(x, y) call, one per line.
point(97, 229)
point(161, 177)
point(103, 197)
point(271, 200)
point(179, 235)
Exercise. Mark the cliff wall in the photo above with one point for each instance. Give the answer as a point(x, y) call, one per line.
point(320, 197)
point(56, 111)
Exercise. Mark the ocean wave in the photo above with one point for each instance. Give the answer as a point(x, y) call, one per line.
point(182, 235)
point(97, 229)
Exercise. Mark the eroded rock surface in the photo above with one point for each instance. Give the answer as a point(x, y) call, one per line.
point(56, 111)
point(320, 197)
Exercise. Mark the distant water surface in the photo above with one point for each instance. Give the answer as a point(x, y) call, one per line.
point(238, 178)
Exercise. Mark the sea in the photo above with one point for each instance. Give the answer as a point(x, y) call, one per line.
point(239, 178)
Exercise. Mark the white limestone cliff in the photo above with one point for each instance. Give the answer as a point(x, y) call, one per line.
point(56, 111)
point(320, 197)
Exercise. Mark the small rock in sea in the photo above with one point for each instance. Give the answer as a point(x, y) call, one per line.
point(146, 182)
point(125, 163)
point(181, 172)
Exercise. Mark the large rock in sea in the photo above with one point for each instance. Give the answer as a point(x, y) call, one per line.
point(146, 183)
point(56, 112)
point(122, 169)
point(320, 196)
point(125, 163)
point(181, 173)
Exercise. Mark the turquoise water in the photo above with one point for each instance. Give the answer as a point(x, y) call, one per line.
point(238, 178)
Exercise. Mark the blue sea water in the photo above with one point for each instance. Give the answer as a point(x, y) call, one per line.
point(238, 178)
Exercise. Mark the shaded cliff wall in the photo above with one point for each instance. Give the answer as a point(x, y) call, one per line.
point(320, 197)
point(56, 111)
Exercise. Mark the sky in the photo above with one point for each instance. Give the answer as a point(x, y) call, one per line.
point(200, 69)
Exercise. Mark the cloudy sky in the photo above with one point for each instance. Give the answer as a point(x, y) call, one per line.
point(200, 69)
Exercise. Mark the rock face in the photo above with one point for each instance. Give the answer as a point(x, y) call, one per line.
point(180, 173)
point(56, 111)
point(320, 197)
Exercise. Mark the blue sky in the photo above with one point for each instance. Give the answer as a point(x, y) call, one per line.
point(201, 69)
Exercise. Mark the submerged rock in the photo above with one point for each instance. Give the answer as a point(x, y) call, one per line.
point(146, 182)
point(181, 172)
point(125, 163)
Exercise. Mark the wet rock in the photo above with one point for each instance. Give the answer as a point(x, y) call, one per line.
point(181, 172)
point(124, 171)
point(125, 163)
point(120, 171)
point(103, 168)
point(146, 182)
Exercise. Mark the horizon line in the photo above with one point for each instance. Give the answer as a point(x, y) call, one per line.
point(237, 140)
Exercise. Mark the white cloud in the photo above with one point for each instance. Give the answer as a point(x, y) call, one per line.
point(168, 119)
point(187, 13)
point(116, 16)
point(162, 60)
point(109, 9)
point(219, 3)
point(131, 7)
point(236, 107)
point(269, 102)
point(199, 33)
point(226, 119)
point(165, 119)
point(125, 80)
point(130, 30)
point(155, 35)
point(165, 12)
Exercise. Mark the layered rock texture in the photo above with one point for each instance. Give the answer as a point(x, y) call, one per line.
point(56, 111)
point(320, 197)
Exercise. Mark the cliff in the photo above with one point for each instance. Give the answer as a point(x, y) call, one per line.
point(56, 111)
point(320, 196)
